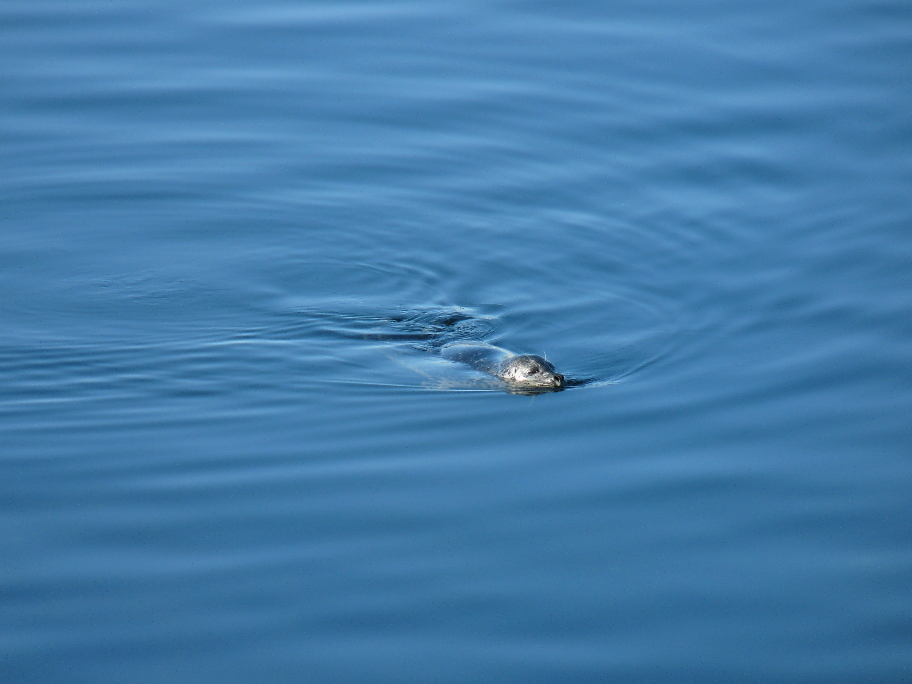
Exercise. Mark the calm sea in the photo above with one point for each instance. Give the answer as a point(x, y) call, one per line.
point(233, 233)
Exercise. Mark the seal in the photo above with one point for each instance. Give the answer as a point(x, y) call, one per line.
point(521, 371)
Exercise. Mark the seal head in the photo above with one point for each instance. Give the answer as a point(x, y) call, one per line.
point(530, 370)
point(524, 373)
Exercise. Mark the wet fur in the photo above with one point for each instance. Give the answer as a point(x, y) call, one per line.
point(518, 370)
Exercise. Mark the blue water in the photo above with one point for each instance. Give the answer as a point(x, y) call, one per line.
point(234, 233)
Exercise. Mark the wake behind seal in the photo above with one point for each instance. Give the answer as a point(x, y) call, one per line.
point(522, 372)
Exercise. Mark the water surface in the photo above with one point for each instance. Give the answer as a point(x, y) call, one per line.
point(232, 235)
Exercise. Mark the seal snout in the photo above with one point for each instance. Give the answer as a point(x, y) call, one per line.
point(558, 380)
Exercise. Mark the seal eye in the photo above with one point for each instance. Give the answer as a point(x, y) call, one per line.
point(533, 371)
